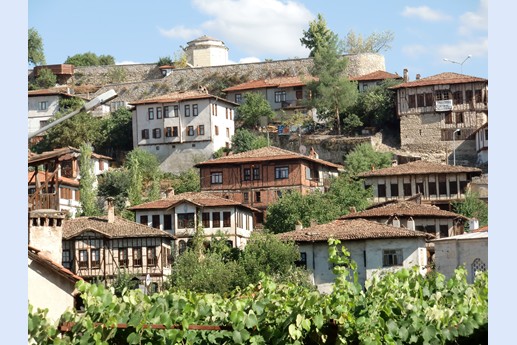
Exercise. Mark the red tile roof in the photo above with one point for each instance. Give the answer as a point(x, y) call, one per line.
point(406, 209)
point(420, 168)
point(41, 177)
point(203, 199)
point(377, 75)
point(120, 228)
point(441, 79)
point(269, 153)
point(44, 259)
point(349, 230)
point(482, 229)
point(272, 83)
point(180, 96)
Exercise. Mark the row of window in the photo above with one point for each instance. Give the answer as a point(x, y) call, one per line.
point(280, 96)
point(390, 257)
point(174, 113)
point(432, 188)
point(186, 220)
point(171, 132)
point(92, 258)
point(216, 177)
point(427, 99)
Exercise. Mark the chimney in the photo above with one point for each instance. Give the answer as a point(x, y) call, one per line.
point(473, 224)
point(405, 75)
point(46, 232)
point(169, 192)
point(418, 76)
point(298, 226)
point(111, 209)
point(394, 163)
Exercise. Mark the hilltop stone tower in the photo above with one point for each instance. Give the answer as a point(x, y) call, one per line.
point(206, 51)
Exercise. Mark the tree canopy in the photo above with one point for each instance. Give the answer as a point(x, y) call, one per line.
point(253, 108)
point(44, 80)
point(317, 36)
point(363, 157)
point(89, 206)
point(472, 207)
point(376, 42)
point(36, 55)
point(90, 59)
point(245, 140)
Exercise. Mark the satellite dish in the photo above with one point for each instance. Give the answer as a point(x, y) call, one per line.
point(147, 280)
point(303, 149)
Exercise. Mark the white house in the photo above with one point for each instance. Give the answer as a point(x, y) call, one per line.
point(183, 128)
point(469, 250)
point(375, 247)
point(482, 144)
point(180, 214)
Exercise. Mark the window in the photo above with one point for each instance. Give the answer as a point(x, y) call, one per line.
point(167, 222)
point(411, 101)
point(182, 247)
point(175, 131)
point(238, 98)
point(381, 190)
point(185, 220)
point(65, 258)
point(195, 110)
point(168, 132)
point(247, 174)
point(158, 112)
point(278, 194)
point(463, 186)
point(137, 256)
point(477, 265)
point(187, 110)
point(150, 113)
point(448, 117)
point(432, 188)
point(394, 189)
point(151, 257)
point(42, 105)
point(227, 132)
point(307, 173)
point(206, 219)
point(442, 184)
point(468, 95)
point(216, 130)
point(216, 219)
point(257, 196)
point(392, 257)
point(459, 117)
point(227, 219)
point(457, 97)
point(428, 99)
point(144, 220)
point(246, 196)
point(281, 172)
point(453, 187)
point(145, 134)
point(166, 111)
point(156, 221)
point(420, 100)
point(407, 189)
point(83, 259)
point(279, 96)
point(478, 95)
point(303, 260)
point(122, 257)
point(201, 130)
point(299, 94)
point(442, 95)
point(420, 187)
point(444, 231)
point(176, 111)
point(96, 258)
point(43, 123)
point(190, 131)
point(157, 133)
point(216, 177)
point(256, 173)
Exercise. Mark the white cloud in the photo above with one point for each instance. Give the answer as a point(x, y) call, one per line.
point(270, 27)
point(459, 51)
point(181, 32)
point(127, 62)
point(425, 13)
point(477, 21)
point(415, 50)
point(249, 59)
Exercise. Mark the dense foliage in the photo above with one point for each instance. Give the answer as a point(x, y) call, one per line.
point(397, 308)
point(87, 185)
point(318, 35)
point(35, 53)
point(253, 108)
point(472, 207)
point(90, 59)
point(365, 158)
point(45, 79)
point(245, 140)
point(374, 43)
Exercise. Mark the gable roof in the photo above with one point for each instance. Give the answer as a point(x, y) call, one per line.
point(349, 230)
point(419, 168)
point(268, 153)
point(63, 153)
point(120, 228)
point(174, 97)
point(203, 199)
point(45, 260)
point(377, 75)
point(465, 236)
point(441, 79)
point(406, 209)
point(279, 82)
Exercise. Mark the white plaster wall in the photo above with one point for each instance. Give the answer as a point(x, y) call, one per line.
point(450, 254)
point(35, 115)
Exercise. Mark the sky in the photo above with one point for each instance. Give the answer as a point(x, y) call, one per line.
point(425, 32)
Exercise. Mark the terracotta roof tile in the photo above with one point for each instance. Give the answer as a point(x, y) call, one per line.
point(441, 79)
point(268, 153)
point(272, 83)
point(205, 199)
point(377, 75)
point(404, 208)
point(420, 167)
point(120, 228)
point(347, 230)
point(482, 229)
point(180, 96)
point(39, 256)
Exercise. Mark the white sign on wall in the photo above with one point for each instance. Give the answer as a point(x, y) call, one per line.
point(445, 105)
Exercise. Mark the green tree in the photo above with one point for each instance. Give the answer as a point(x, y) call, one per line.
point(90, 59)
point(472, 207)
point(363, 157)
point(145, 176)
point(36, 55)
point(89, 204)
point(346, 193)
point(165, 61)
point(253, 108)
point(115, 183)
point(332, 93)
point(186, 181)
point(45, 79)
point(317, 36)
point(351, 123)
point(376, 42)
point(245, 140)
point(117, 130)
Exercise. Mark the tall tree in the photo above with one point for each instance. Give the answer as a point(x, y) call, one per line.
point(317, 36)
point(253, 108)
point(376, 42)
point(145, 176)
point(36, 56)
point(332, 92)
point(87, 182)
point(117, 131)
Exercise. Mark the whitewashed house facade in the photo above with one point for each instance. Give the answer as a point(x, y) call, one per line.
point(482, 144)
point(183, 128)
